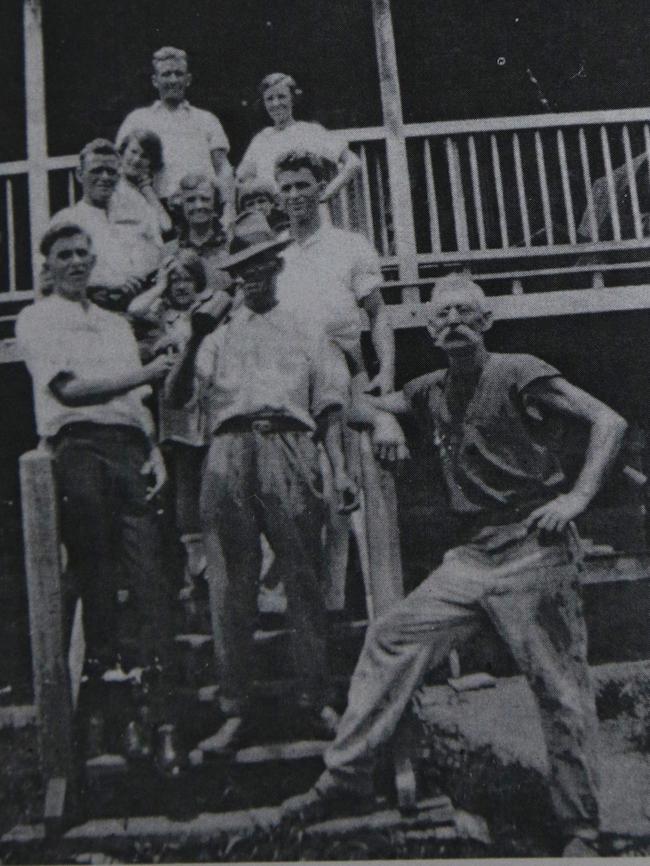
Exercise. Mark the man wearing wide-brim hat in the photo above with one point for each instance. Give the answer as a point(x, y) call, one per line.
point(270, 390)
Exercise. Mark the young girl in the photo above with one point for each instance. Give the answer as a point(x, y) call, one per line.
point(166, 309)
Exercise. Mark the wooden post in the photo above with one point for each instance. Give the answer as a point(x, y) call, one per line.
point(398, 174)
point(49, 657)
point(39, 197)
point(383, 535)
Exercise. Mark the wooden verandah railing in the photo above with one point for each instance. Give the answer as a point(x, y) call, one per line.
point(527, 204)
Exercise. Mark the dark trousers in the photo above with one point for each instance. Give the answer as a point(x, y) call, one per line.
point(253, 483)
point(113, 538)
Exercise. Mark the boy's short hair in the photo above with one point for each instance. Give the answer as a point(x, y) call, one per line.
point(56, 233)
point(294, 160)
point(168, 52)
point(99, 147)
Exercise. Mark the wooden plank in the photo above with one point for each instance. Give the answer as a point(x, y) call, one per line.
point(611, 188)
point(76, 653)
point(498, 184)
point(521, 189)
point(549, 120)
point(36, 126)
point(432, 201)
point(54, 808)
point(631, 179)
point(391, 102)
point(382, 529)
point(543, 186)
point(294, 751)
point(566, 187)
point(589, 193)
point(476, 191)
point(458, 207)
point(221, 742)
point(42, 567)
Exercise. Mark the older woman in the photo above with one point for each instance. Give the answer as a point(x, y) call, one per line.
point(142, 162)
point(279, 92)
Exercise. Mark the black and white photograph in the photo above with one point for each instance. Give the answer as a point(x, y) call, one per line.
point(325, 439)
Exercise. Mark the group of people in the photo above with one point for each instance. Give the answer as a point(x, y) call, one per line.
point(249, 331)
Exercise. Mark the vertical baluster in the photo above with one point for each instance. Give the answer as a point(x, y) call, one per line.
point(71, 188)
point(631, 178)
point(498, 182)
point(432, 200)
point(521, 189)
point(566, 188)
point(365, 189)
point(383, 228)
point(457, 195)
point(476, 192)
point(543, 185)
point(586, 173)
point(611, 187)
point(11, 235)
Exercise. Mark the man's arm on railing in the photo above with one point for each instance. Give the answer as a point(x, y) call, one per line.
point(383, 339)
point(378, 413)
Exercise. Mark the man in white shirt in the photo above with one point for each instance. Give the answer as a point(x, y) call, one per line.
point(329, 277)
point(89, 386)
point(193, 139)
point(330, 274)
point(127, 245)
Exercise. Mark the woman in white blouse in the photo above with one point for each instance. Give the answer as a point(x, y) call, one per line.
point(279, 92)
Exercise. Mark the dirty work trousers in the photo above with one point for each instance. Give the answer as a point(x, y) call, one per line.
point(530, 593)
point(113, 537)
point(259, 482)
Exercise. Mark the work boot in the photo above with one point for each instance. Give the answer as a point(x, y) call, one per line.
point(171, 759)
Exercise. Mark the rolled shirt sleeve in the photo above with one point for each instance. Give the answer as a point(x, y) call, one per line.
point(365, 272)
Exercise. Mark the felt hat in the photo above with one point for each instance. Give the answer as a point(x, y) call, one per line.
point(251, 236)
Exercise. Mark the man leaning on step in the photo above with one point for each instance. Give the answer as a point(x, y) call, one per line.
point(516, 559)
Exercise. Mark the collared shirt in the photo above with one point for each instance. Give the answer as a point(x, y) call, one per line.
point(271, 143)
point(188, 136)
point(126, 242)
point(324, 280)
point(499, 455)
point(60, 336)
point(265, 364)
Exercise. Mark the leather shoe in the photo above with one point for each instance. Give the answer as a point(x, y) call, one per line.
point(326, 799)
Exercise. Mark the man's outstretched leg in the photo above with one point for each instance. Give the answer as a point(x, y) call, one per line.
point(399, 647)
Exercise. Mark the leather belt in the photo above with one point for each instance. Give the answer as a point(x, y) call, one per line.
point(261, 424)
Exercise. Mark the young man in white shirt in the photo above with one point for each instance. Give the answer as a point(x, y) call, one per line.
point(127, 249)
point(89, 386)
point(193, 139)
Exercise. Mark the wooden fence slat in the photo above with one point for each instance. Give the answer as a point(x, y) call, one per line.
point(586, 173)
point(543, 185)
point(611, 187)
point(521, 189)
point(457, 195)
point(498, 183)
point(566, 187)
point(631, 179)
point(432, 201)
point(476, 191)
